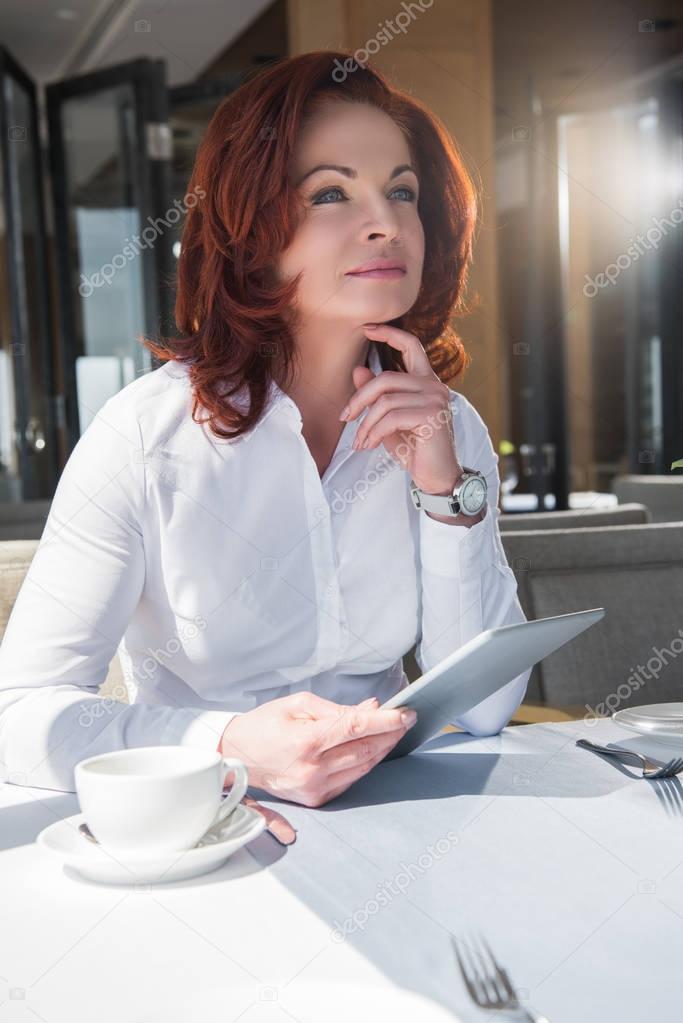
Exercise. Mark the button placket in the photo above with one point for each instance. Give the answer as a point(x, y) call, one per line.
point(324, 569)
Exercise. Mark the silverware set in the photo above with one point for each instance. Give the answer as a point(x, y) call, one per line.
point(652, 769)
point(486, 981)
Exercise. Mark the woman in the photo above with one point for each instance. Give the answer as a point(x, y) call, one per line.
point(264, 566)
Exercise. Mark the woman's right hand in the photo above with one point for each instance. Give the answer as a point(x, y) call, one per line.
point(308, 750)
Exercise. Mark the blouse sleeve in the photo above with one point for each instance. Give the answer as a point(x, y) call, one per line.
point(71, 611)
point(466, 583)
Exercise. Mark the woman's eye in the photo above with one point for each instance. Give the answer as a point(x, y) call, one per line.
point(326, 191)
point(404, 188)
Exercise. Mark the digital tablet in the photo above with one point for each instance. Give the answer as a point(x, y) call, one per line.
point(478, 669)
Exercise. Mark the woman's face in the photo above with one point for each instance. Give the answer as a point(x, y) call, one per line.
point(353, 217)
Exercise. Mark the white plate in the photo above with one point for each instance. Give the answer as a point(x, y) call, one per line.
point(656, 719)
point(305, 1002)
point(64, 840)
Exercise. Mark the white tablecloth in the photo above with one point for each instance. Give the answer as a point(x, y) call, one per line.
point(571, 868)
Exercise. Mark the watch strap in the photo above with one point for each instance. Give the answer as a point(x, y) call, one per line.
point(442, 504)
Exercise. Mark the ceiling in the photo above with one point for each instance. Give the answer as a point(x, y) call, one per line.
point(570, 50)
point(566, 53)
point(55, 39)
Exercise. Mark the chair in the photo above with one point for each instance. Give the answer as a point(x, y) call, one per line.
point(626, 514)
point(23, 520)
point(15, 558)
point(663, 495)
point(621, 515)
point(636, 573)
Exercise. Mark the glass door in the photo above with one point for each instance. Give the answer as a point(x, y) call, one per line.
point(191, 107)
point(28, 438)
point(110, 149)
point(621, 204)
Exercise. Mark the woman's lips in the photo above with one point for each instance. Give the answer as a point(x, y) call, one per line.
point(380, 275)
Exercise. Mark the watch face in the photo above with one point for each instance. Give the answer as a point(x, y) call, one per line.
point(473, 496)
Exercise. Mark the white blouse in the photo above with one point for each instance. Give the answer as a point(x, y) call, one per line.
point(228, 573)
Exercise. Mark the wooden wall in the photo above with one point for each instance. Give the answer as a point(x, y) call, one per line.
point(445, 59)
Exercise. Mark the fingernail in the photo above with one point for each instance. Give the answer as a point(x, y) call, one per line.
point(344, 413)
point(408, 717)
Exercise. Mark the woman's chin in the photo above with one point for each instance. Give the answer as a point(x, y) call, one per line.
point(383, 314)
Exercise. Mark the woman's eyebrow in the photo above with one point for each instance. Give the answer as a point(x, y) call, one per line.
point(350, 172)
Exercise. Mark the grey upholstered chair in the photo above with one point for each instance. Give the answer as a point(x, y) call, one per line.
point(620, 515)
point(581, 518)
point(663, 495)
point(636, 573)
point(15, 558)
point(23, 520)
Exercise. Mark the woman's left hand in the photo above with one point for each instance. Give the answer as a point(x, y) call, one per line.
point(408, 412)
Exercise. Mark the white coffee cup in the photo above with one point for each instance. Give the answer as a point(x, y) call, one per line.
point(149, 800)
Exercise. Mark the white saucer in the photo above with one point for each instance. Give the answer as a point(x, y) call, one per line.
point(64, 840)
point(660, 720)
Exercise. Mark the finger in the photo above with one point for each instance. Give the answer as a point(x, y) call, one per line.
point(326, 715)
point(352, 723)
point(310, 705)
point(415, 358)
point(399, 419)
point(393, 401)
point(344, 779)
point(359, 751)
point(361, 375)
point(372, 701)
point(389, 380)
point(278, 825)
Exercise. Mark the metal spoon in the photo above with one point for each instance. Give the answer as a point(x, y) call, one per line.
point(278, 826)
point(212, 835)
point(85, 830)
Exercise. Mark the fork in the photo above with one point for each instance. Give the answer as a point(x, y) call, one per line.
point(651, 769)
point(487, 983)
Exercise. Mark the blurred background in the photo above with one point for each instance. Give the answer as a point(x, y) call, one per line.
point(568, 116)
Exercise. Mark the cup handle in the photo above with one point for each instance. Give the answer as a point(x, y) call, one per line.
point(237, 791)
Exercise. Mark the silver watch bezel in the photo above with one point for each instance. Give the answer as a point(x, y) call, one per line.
point(465, 483)
point(446, 504)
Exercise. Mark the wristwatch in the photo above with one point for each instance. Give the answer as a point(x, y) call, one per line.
point(468, 497)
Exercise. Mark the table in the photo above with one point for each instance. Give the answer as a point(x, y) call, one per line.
point(577, 499)
point(571, 868)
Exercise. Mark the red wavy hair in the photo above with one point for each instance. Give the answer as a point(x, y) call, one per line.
point(235, 318)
